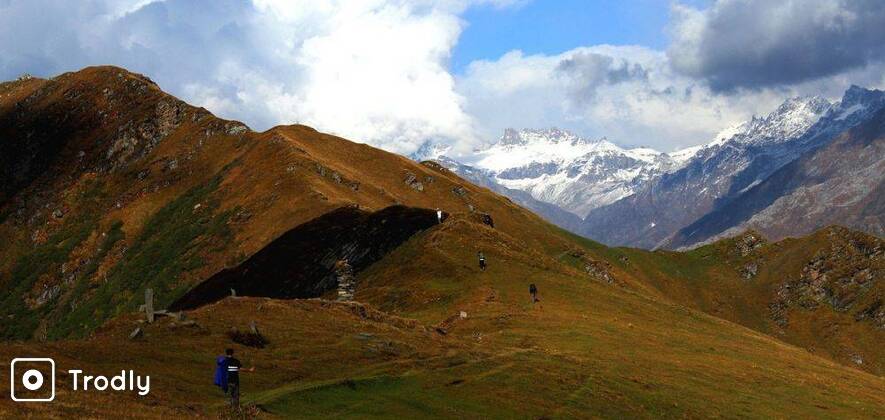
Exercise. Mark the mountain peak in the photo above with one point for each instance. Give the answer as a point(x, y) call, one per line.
point(429, 150)
point(513, 137)
point(791, 119)
point(859, 96)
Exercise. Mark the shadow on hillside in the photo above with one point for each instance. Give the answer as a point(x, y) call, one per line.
point(300, 263)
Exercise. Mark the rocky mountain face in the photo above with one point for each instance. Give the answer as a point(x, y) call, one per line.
point(640, 197)
point(557, 167)
point(841, 183)
point(550, 212)
point(720, 176)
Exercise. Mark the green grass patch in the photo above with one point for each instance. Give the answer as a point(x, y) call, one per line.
point(170, 244)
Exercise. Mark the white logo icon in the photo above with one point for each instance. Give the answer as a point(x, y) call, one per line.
point(32, 379)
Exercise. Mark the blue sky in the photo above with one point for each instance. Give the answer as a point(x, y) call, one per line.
point(555, 26)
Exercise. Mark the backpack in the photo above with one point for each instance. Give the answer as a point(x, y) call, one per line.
point(221, 372)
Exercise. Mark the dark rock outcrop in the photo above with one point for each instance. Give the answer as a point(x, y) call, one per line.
point(301, 262)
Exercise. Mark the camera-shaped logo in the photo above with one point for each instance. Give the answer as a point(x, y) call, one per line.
point(32, 379)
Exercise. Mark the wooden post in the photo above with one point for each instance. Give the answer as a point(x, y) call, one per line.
point(149, 304)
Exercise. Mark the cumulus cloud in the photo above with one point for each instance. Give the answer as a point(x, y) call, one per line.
point(761, 43)
point(373, 70)
point(626, 93)
point(587, 71)
point(377, 71)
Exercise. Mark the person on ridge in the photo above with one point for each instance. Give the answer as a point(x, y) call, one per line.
point(439, 215)
point(533, 290)
point(482, 261)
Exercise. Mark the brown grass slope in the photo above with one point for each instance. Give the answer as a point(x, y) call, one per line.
point(141, 190)
point(183, 194)
point(823, 292)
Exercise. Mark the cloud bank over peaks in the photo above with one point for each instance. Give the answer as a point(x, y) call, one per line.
point(378, 71)
point(756, 44)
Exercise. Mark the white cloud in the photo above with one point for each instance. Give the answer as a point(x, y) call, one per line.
point(373, 70)
point(377, 70)
point(627, 93)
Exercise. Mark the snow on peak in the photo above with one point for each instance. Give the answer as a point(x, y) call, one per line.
point(789, 121)
point(528, 146)
point(430, 150)
point(856, 102)
point(573, 172)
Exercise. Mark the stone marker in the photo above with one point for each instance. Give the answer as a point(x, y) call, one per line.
point(149, 304)
point(346, 281)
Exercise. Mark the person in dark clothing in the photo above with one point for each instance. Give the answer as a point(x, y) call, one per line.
point(482, 261)
point(234, 367)
point(533, 290)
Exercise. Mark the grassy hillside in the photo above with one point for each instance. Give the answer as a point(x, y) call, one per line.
point(587, 349)
point(140, 190)
point(146, 191)
point(823, 293)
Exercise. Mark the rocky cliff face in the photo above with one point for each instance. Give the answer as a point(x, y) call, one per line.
point(839, 183)
point(845, 277)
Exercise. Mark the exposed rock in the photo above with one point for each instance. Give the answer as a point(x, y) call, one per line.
point(599, 269)
point(412, 181)
point(839, 278)
point(49, 293)
point(170, 165)
point(235, 129)
point(750, 270)
point(346, 281)
point(748, 242)
point(459, 191)
point(874, 312)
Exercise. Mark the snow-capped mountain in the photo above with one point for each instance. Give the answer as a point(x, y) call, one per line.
point(732, 164)
point(574, 173)
point(641, 197)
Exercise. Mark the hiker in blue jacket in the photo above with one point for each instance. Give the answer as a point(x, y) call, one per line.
point(221, 372)
point(227, 376)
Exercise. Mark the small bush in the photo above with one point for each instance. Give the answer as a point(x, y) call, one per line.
point(248, 339)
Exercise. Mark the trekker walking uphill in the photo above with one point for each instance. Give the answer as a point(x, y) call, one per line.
point(533, 290)
point(482, 261)
point(227, 376)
